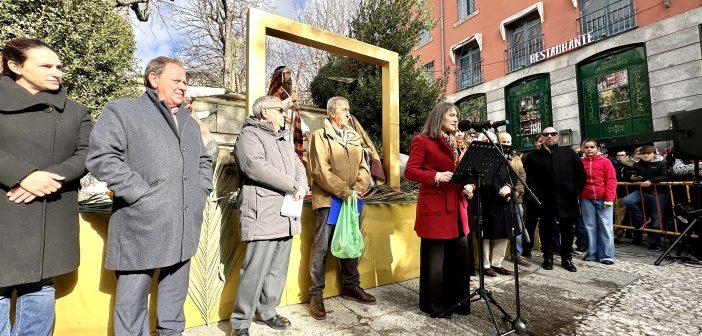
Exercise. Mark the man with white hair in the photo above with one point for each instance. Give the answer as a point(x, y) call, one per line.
point(339, 170)
point(270, 169)
point(557, 177)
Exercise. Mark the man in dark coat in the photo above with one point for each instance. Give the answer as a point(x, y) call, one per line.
point(149, 152)
point(557, 177)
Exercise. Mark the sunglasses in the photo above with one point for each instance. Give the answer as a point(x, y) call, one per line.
point(553, 134)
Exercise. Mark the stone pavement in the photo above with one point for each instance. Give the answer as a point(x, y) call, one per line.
point(631, 297)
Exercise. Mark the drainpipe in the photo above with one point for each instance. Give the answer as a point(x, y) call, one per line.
point(443, 51)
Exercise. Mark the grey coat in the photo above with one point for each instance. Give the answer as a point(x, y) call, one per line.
point(160, 176)
point(269, 169)
point(45, 132)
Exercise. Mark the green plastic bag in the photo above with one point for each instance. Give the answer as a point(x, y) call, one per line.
point(347, 242)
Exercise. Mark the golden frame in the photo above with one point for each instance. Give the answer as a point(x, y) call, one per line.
point(262, 24)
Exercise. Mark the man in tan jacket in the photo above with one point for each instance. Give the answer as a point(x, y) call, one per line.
point(338, 170)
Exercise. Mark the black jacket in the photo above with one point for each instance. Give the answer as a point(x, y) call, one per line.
point(649, 171)
point(45, 132)
point(557, 177)
point(496, 210)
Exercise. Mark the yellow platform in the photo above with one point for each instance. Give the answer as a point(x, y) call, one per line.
point(85, 298)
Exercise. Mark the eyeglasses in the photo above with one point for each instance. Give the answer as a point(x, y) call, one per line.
point(621, 155)
point(547, 134)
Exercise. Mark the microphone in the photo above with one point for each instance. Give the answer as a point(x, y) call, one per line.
point(465, 125)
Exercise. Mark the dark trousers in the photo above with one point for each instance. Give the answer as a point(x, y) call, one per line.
point(565, 227)
point(443, 274)
point(323, 233)
point(530, 223)
point(131, 317)
point(581, 239)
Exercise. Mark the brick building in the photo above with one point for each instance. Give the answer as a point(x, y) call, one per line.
point(605, 69)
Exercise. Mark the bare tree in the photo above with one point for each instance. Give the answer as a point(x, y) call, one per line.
point(331, 15)
point(141, 8)
point(212, 45)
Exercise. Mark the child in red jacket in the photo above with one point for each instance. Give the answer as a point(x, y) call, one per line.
point(596, 203)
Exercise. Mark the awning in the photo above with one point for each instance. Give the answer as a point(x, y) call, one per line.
point(477, 38)
point(539, 6)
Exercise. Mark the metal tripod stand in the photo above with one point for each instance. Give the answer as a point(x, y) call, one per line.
point(485, 167)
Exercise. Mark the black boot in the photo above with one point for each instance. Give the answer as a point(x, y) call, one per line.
point(548, 264)
point(463, 309)
point(568, 265)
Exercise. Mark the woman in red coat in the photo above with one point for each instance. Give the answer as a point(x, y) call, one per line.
point(442, 219)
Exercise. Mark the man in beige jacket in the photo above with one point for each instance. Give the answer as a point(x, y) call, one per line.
point(338, 169)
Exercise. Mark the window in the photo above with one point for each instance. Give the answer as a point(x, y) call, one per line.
point(615, 94)
point(469, 71)
point(524, 39)
point(423, 37)
point(603, 18)
point(428, 69)
point(528, 107)
point(465, 8)
point(473, 108)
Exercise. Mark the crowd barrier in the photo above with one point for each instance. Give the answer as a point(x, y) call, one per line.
point(669, 224)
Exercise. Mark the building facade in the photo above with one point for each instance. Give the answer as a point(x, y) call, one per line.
point(606, 69)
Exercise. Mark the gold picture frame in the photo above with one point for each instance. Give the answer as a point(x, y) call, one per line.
point(262, 24)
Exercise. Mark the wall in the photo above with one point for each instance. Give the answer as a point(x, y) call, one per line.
point(231, 113)
point(674, 58)
point(85, 298)
point(560, 25)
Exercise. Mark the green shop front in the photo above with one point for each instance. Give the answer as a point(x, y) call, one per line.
point(473, 108)
point(528, 103)
point(615, 100)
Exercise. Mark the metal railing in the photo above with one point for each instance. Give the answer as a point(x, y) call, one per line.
point(517, 54)
point(613, 19)
point(669, 223)
point(471, 75)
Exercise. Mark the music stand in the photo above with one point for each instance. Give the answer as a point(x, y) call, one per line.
point(481, 161)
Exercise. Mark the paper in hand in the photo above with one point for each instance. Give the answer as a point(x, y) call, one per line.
point(291, 207)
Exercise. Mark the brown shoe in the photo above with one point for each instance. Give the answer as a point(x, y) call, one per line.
point(502, 270)
point(489, 272)
point(523, 262)
point(358, 294)
point(317, 307)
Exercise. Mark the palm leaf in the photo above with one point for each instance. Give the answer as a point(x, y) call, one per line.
point(216, 250)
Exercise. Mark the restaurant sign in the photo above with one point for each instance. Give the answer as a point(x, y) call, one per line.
point(561, 48)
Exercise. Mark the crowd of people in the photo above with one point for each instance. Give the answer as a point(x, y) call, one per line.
point(150, 152)
point(576, 192)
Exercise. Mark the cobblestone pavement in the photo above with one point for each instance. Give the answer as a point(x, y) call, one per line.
point(631, 297)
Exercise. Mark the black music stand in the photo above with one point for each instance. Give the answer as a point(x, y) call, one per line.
point(482, 161)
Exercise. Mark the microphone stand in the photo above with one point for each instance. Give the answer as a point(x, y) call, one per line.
point(519, 326)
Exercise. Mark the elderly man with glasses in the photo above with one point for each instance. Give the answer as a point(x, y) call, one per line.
point(557, 177)
point(270, 170)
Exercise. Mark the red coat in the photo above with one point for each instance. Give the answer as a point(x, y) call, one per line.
point(601, 182)
point(440, 208)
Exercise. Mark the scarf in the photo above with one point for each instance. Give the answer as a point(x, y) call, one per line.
point(277, 89)
point(450, 140)
point(370, 152)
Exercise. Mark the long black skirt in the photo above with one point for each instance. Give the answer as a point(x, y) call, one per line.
point(444, 272)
